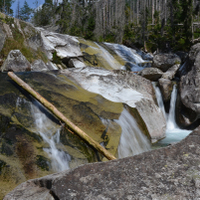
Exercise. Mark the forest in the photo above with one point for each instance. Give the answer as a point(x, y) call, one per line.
point(153, 25)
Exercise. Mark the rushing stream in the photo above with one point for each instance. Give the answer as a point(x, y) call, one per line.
point(132, 140)
point(173, 132)
point(50, 135)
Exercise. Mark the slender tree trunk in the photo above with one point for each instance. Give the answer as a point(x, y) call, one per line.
point(153, 11)
point(137, 12)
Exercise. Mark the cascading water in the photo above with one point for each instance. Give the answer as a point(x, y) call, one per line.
point(173, 132)
point(159, 100)
point(129, 55)
point(171, 122)
point(51, 136)
point(132, 140)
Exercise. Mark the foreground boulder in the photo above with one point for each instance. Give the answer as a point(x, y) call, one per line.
point(167, 173)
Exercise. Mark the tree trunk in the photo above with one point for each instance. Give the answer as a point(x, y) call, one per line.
point(60, 116)
point(152, 12)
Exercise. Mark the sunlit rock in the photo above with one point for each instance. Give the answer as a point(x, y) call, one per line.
point(16, 62)
point(125, 87)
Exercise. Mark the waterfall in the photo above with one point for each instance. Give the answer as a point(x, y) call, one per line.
point(132, 140)
point(107, 58)
point(173, 132)
point(51, 135)
point(171, 122)
point(159, 100)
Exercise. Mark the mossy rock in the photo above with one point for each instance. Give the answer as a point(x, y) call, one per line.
point(2, 165)
point(43, 162)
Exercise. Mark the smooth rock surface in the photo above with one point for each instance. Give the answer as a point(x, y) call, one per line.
point(167, 173)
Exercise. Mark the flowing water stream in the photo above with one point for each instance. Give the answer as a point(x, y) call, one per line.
point(173, 132)
point(132, 140)
point(51, 136)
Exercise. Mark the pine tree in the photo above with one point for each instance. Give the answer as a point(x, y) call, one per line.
point(5, 6)
point(25, 12)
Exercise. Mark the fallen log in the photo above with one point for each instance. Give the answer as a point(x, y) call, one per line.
point(60, 116)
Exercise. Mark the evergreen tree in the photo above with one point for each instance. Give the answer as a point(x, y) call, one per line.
point(25, 12)
point(43, 16)
point(187, 19)
point(5, 6)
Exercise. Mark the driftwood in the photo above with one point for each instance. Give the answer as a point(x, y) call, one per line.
point(60, 116)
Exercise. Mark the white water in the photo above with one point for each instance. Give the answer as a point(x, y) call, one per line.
point(173, 132)
point(51, 135)
point(105, 56)
point(132, 140)
point(159, 100)
point(128, 55)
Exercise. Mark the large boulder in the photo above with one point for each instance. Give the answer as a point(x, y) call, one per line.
point(151, 73)
point(125, 87)
point(16, 62)
point(189, 89)
point(167, 173)
point(59, 48)
point(164, 61)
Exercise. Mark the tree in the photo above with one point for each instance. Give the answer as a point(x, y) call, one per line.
point(17, 13)
point(5, 6)
point(187, 18)
point(25, 12)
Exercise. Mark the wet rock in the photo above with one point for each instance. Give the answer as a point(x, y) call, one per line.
point(167, 173)
point(124, 87)
point(20, 141)
point(16, 62)
point(151, 73)
point(166, 87)
point(165, 60)
point(2, 165)
point(43, 162)
point(182, 55)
